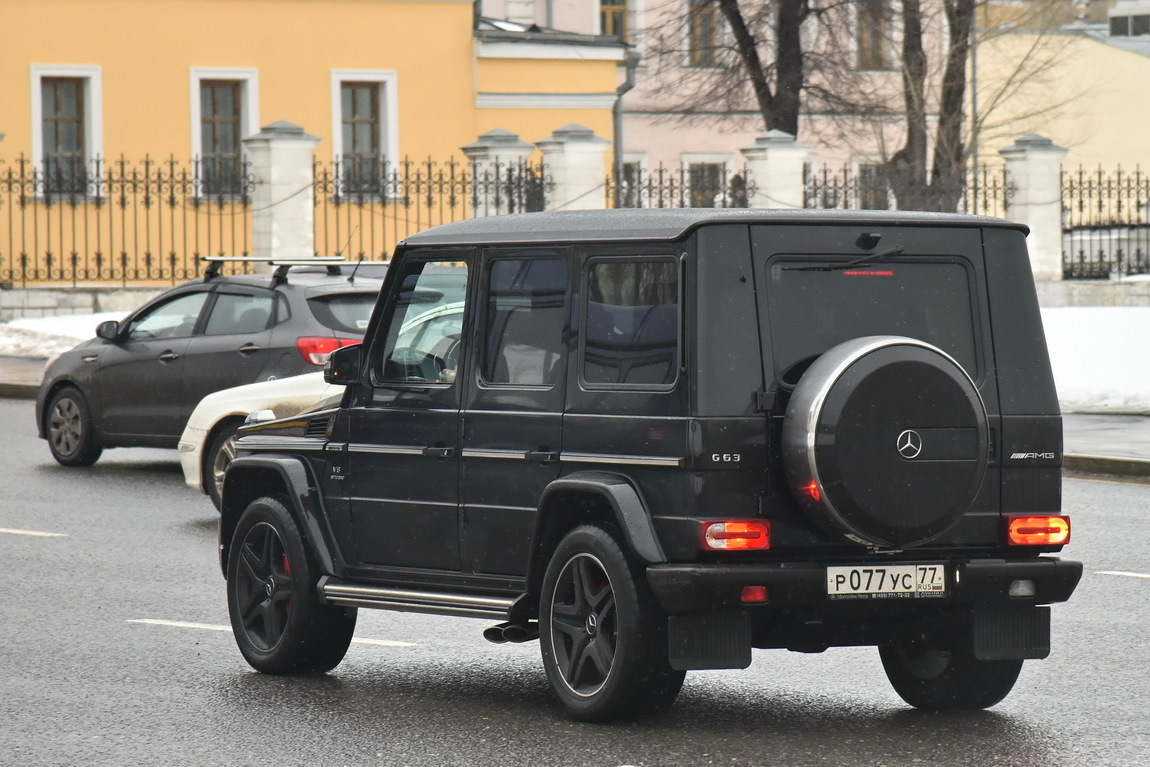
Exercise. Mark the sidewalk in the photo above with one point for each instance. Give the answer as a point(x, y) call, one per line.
point(20, 377)
point(1106, 444)
point(1095, 444)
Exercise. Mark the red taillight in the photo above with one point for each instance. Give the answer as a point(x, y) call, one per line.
point(812, 489)
point(1038, 531)
point(316, 350)
point(740, 535)
point(754, 595)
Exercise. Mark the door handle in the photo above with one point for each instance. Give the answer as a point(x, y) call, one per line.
point(439, 452)
point(543, 456)
point(248, 349)
point(169, 356)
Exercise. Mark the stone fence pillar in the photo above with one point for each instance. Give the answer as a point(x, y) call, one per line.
point(283, 210)
point(573, 161)
point(1034, 173)
point(497, 162)
point(775, 166)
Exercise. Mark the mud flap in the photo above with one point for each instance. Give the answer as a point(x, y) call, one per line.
point(1011, 633)
point(710, 640)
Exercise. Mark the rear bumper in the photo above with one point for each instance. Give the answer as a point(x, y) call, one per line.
point(690, 588)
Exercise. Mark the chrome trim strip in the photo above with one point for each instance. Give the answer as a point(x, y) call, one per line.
point(627, 460)
point(516, 455)
point(404, 600)
point(384, 449)
point(298, 444)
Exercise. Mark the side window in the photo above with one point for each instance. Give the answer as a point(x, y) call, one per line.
point(173, 319)
point(426, 324)
point(237, 313)
point(631, 323)
point(526, 310)
point(283, 311)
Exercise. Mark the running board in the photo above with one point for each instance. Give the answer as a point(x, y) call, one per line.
point(338, 592)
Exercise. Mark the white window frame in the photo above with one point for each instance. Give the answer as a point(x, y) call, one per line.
point(639, 159)
point(249, 80)
point(857, 163)
point(891, 41)
point(93, 112)
point(687, 159)
point(387, 80)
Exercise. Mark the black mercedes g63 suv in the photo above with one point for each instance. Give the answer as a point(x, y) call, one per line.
point(657, 439)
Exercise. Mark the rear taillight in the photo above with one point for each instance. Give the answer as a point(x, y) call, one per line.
point(316, 350)
point(1038, 531)
point(736, 535)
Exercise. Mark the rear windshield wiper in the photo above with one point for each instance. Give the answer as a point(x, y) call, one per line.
point(857, 262)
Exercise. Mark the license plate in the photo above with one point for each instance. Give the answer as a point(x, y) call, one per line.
point(886, 581)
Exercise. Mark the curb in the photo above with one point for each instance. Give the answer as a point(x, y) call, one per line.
point(18, 391)
point(1098, 464)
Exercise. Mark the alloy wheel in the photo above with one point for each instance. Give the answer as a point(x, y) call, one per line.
point(224, 456)
point(264, 588)
point(65, 427)
point(584, 627)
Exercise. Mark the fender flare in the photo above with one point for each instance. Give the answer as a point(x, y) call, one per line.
point(303, 500)
point(626, 503)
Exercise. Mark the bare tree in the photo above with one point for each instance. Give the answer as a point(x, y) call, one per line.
point(770, 57)
point(906, 171)
point(788, 58)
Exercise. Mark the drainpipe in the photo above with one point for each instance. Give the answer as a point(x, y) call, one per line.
point(631, 61)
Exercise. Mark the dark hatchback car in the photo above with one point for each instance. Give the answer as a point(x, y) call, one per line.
point(659, 439)
point(137, 381)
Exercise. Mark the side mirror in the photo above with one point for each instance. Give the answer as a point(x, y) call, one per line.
point(108, 330)
point(344, 364)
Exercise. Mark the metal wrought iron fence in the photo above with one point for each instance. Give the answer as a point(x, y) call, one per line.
point(699, 185)
point(864, 187)
point(117, 221)
point(362, 211)
point(1105, 224)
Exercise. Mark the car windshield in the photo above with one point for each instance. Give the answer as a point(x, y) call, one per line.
point(347, 312)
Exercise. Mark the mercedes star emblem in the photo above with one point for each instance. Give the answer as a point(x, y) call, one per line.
point(909, 444)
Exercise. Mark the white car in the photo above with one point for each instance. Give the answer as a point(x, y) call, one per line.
point(208, 443)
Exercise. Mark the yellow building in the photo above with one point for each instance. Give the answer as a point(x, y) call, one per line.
point(1085, 91)
point(376, 81)
point(191, 77)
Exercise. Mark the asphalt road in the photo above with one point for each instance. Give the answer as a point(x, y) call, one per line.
point(114, 650)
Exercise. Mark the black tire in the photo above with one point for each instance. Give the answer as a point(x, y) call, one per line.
point(277, 619)
point(220, 452)
point(937, 680)
point(603, 637)
point(68, 426)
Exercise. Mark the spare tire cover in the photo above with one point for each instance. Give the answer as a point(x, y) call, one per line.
point(885, 441)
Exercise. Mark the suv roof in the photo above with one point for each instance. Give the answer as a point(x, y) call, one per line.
point(666, 224)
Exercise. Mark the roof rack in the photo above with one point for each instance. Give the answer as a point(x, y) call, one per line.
point(332, 263)
point(282, 264)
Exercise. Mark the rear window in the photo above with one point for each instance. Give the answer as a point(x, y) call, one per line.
point(346, 312)
point(815, 305)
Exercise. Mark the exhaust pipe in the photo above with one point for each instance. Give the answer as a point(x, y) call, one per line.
point(511, 632)
point(521, 632)
point(495, 633)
